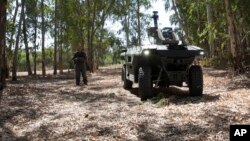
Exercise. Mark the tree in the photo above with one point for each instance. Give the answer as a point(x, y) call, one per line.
point(12, 33)
point(2, 43)
point(35, 22)
point(26, 40)
point(138, 15)
point(178, 16)
point(43, 38)
point(234, 41)
point(210, 23)
point(55, 38)
point(126, 20)
point(15, 59)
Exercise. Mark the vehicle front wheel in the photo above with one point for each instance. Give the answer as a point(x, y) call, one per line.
point(195, 81)
point(145, 83)
point(127, 84)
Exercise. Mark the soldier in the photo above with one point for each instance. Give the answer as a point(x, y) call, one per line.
point(80, 61)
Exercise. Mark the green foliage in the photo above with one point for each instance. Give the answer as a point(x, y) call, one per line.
point(194, 17)
point(67, 63)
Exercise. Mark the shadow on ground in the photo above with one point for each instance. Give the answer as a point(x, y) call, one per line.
point(177, 96)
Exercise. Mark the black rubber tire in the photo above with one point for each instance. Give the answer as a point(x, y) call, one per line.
point(123, 73)
point(195, 81)
point(127, 84)
point(145, 83)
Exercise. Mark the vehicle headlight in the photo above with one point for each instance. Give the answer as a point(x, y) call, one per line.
point(146, 52)
point(202, 53)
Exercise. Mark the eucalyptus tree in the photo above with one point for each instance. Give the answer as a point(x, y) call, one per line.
point(134, 21)
point(68, 29)
point(55, 37)
point(210, 23)
point(10, 32)
point(43, 37)
point(32, 11)
point(3, 8)
point(97, 13)
point(28, 66)
point(195, 18)
point(122, 13)
point(15, 54)
point(177, 18)
point(205, 24)
point(235, 43)
point(13, 29)
point(139, 19)
point(243, 29)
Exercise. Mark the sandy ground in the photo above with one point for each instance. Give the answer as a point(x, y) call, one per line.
point(53, 108)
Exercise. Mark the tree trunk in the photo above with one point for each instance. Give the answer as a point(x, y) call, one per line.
point(34, 43)
point(43, 39)
point(91, 49)
point(61, 50)
point(234, 44)
point(89, 34)
point(210, 22)
point(180, 20)
point(15, 59)
point(55, 40)
point(127, 18)
point(28, 67)
point(2, 43)
point(139, 22)
point(13, 31)
point(126, 23)
point(14, 22)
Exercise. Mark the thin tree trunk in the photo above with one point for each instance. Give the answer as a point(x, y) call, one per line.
point(91, 49)
point(14, 29)
point(2, 44)
point(26, 41)
point(139, 23)
point(35, 46)
point(60, 55)
point(126, 24)
point(180, 21)
point(234, 44)
point(43, 39)
point(127, 18)
point(15, 59)
point(89, 32)
point(61, 50)
point(210, 22)
point(55, 40)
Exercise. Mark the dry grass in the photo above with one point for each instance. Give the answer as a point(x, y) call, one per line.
point(53, 108)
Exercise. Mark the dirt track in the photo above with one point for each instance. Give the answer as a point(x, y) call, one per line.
point(53, 108)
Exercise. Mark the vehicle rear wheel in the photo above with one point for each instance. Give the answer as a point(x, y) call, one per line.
point(195, 81)
point(127, 84)
point(145, 83)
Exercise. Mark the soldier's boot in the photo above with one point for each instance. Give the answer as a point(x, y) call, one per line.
point(77, 77)
point(85, 81)
point(77, 81)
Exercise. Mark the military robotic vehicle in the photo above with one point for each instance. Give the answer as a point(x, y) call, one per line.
point(164, 63)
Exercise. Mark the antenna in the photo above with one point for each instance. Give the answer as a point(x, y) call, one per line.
point(155, 17)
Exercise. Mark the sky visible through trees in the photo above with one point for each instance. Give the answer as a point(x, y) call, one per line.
point(102, 28)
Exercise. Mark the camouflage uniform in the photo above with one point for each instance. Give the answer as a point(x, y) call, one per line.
point(80, 67)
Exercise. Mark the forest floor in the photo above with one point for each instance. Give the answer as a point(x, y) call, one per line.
point(53, 108)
